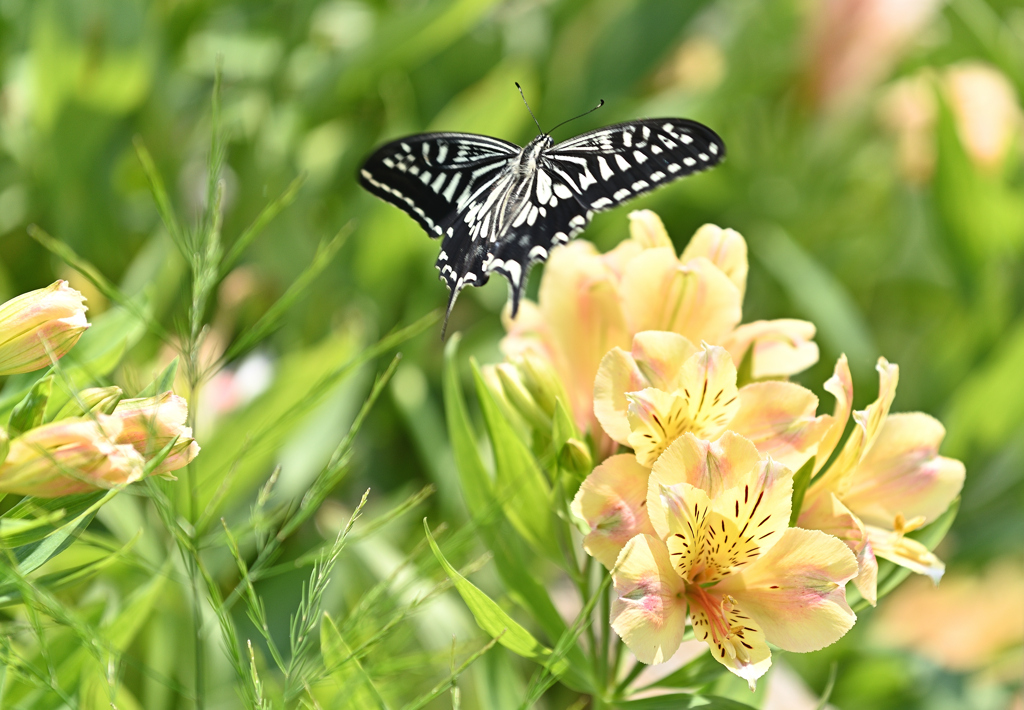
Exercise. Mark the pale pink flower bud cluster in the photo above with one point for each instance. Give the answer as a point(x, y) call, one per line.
point(40, 326)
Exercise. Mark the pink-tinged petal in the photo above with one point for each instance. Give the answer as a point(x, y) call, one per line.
point(619, 257)
point(613, 501)
point(647, 230)
point(725, 248)
point(694, 299)
point(822, 510)
point(868, 427)
point(781, 347)
point(580, 303)
point(736, 640)
point(840, 386)
point(617, 375)
point(660, 355)
point(656, 419)
point(683, 510)
point(796, 591)
point(779, 418)
point(712, 466)
point(903, 473)
point(648, 607)
point(905, 552)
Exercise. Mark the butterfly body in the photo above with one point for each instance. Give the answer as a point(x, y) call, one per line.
point(500, 208)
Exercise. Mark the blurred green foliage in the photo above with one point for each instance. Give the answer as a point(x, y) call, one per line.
point(923, 268)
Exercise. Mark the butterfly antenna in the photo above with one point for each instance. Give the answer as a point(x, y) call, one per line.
point(599, 105)
point(528, 108)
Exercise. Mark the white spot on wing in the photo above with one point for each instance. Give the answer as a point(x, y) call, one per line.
point(619, 195)
point(606, 172)
point(538, 252)
point(621, 162)
point(639, 157)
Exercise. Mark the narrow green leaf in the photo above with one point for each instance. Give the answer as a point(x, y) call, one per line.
point(522, 487)
point(681, 701)
point(349, 673)
point(699, 672)
point(163, 202)
point(162, 383)
point(266, 215)
point(745, 370)
point(477, 488)
point(28, 413)
point(801, 479)
point(491, 618)
point(272, 318)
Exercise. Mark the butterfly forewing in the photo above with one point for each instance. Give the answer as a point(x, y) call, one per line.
point(431, 175)
point(616, 163)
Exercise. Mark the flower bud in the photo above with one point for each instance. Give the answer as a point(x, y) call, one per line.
point(149, 424)
point(38, 324)
point(70, 456)
point(541, 381)
point(575, 457)
point(520, 398)
point(99, 400)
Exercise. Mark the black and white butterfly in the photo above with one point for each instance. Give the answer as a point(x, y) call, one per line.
point(500, 208)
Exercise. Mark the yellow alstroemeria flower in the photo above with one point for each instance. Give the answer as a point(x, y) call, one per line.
point(887, 480)
point(590, 303)
point(665, 386)
point(39, 327)
point(722, 550)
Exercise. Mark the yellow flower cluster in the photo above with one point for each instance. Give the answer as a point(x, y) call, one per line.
point(98, 440)
point(694, 523)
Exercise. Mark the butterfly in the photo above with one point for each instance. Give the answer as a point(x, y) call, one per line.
point(500, 208)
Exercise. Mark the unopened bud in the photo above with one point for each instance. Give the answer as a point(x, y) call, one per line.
point(100, 400)
point(39, 326)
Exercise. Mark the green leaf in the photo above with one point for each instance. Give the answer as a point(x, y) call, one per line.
point(346, 669)
point(680, 701)
point(521, 486)
point(801, 479)
point(745, 370)
point(28, 413)
point(162, 382)
point(702, 670)
point(491, 618)
point(477, 488)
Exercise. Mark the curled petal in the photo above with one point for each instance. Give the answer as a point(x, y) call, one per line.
point(613, 501)
point(660, 355)
point(648, 607)
point(903, 473)
point(656, 419)
point(866, 580)
point(796, 591)
point(822, 510)
point(781, 347)
point(712, 466)
point(694, 299)
point(779, 418)
point(905, 552)
point(725, 248)
point(617, 375)
point(647, 229)
point(736, 640)
point(868, 427)
point(840, 386)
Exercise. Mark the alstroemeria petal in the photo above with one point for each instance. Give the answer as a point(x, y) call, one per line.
point(760, 507)
point(656, 419)
point(782, 347)
point(613, 501)
point(724, 248)
point(868, 426)
point(905, 552)
point(684, 510)
point(840, 386)
point(710, 465)
point(647, 229)
point(903, 473)
point(694, 299)
point(779, 418)
point(796, 591)
point(736, 640)
point(822, 510)
point(617, 375)
point(648, 608)
point(660, 355)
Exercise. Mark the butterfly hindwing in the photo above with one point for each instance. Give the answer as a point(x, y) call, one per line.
point(431, 174)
